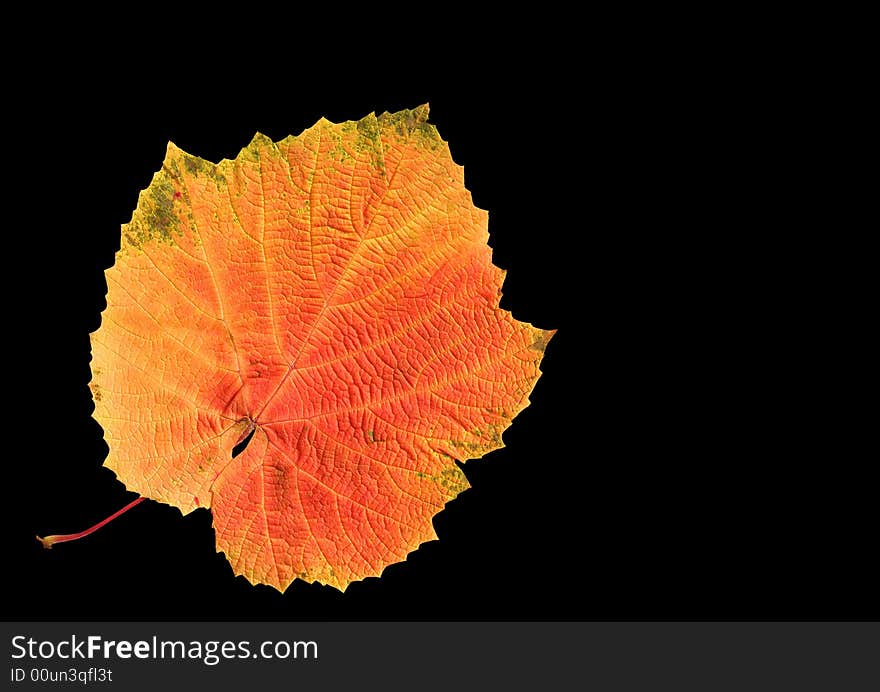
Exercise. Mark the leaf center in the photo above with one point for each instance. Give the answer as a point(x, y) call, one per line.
point(246, 436)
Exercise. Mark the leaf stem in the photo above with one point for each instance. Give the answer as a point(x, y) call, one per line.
point(49, 541)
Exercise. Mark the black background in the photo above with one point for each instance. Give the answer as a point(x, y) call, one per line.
point(672, 464)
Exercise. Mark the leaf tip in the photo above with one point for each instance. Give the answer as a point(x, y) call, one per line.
point(258, 141)
point(421, 112)
point(541, 339)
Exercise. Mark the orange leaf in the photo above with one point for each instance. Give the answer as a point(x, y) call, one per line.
point(334, 294)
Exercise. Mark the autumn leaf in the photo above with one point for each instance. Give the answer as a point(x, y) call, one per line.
point(332, 294)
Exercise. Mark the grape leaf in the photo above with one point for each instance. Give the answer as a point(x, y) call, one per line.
point(332, 295)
